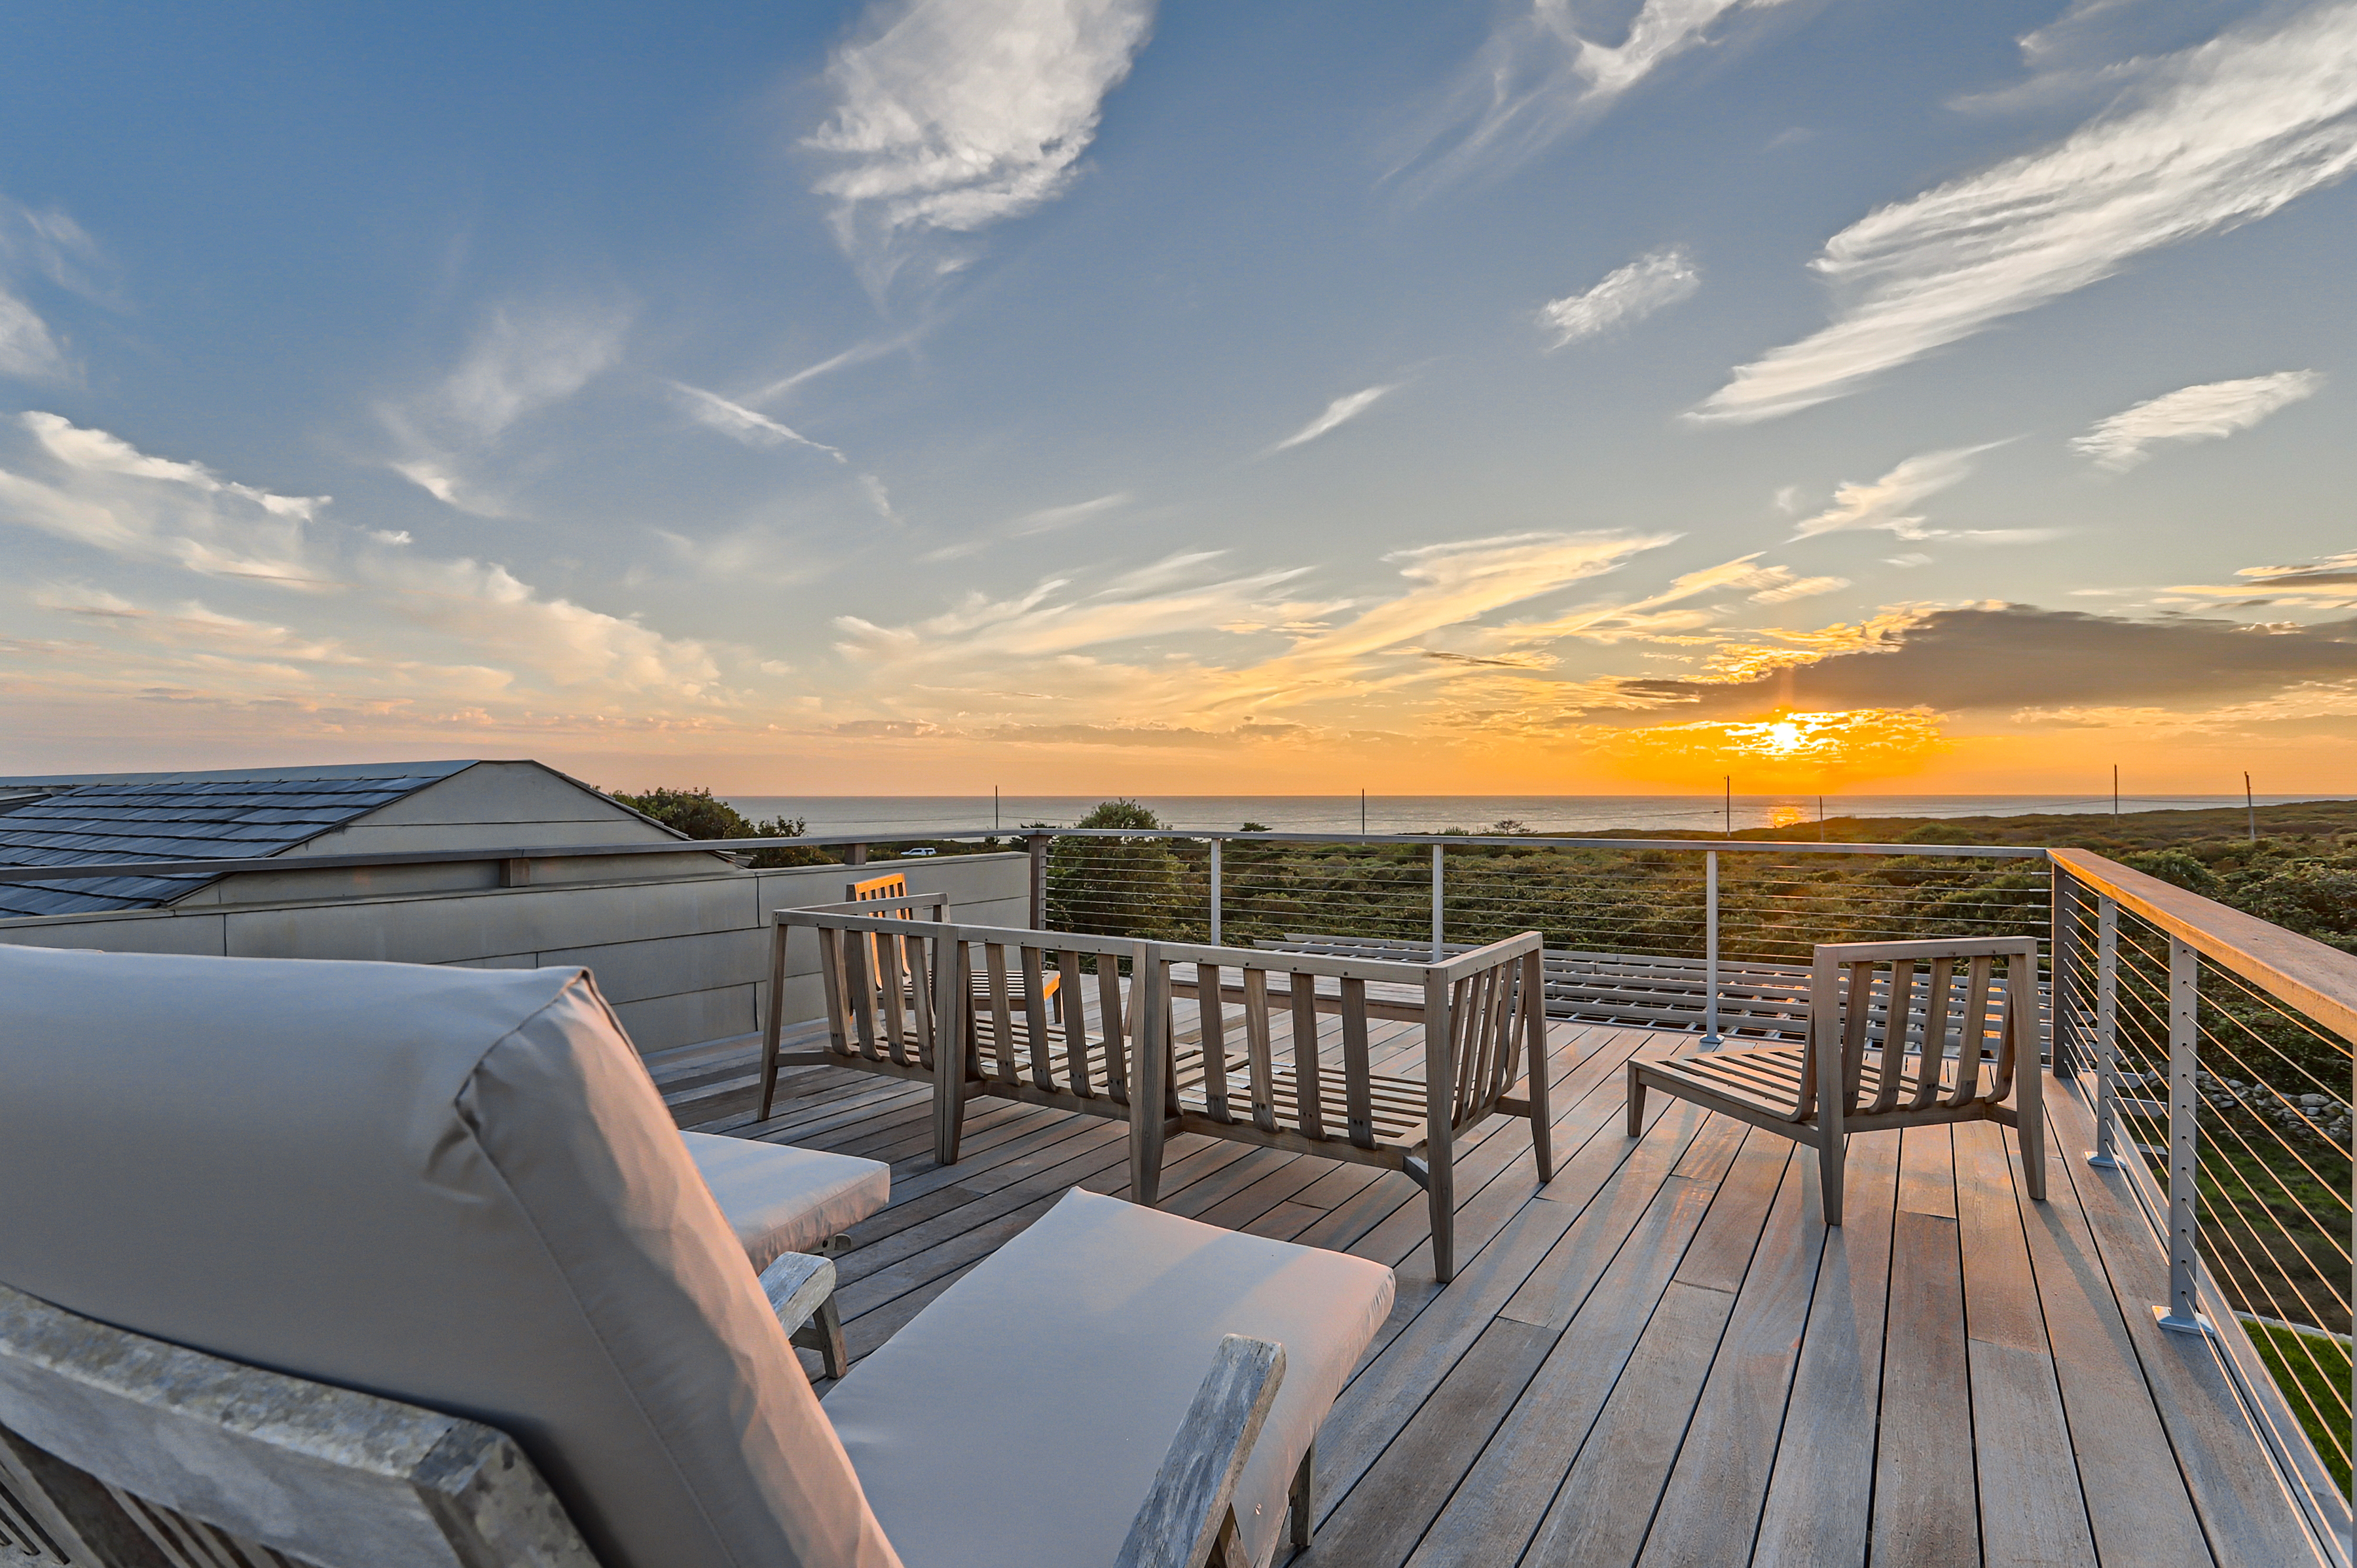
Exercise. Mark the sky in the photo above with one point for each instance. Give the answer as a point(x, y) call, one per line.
point(1445, 396)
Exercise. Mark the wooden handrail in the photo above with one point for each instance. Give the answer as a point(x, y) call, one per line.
point(2302, 972)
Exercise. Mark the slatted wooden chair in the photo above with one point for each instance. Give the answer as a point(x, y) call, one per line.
point(1484, 1022)
point(882, 950)
point(1900, 1035)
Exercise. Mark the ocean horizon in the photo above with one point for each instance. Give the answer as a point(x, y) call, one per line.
point(915, 816)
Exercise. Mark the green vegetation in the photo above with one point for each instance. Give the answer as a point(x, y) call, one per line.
point(699, 815)
point(2313, 1372)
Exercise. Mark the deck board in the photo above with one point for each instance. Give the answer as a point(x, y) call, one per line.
point(1661, 1357)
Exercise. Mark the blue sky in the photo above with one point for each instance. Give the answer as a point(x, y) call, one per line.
point(1078, 394)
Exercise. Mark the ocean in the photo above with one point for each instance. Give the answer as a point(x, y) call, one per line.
point(915, 816)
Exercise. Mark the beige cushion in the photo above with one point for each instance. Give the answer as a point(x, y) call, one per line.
point(1020, 1418)
point(778, 1198)
point(454, 1187)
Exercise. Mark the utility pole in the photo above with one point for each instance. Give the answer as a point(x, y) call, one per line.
point(2115, 789)
point(1821, 818)
point(1729, 781)
point(993, 808)
point(2250, 808)
point(1362, 810)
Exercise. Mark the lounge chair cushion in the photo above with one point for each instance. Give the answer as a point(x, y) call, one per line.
point(778, 1198)
point(454, 1187)
point(1020, 1418)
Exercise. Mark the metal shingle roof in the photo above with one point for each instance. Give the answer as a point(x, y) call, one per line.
point(175, 819)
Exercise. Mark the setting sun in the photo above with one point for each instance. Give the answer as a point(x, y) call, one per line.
point(1788, 750)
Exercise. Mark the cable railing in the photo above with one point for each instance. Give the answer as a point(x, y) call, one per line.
point(1713, 936)
point(2222, 1049)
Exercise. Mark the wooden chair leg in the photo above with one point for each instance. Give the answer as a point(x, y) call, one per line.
point(1541, 1133)
point(1298, 1501)
point(949, 1116)
point(1441, 1196)
point(1636, 1103)
point(2030, 1101)
point(1831, 1154)
point(823, 1334)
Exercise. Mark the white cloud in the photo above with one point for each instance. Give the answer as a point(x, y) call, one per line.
point(27, 350)
point(521, 359)
point(2227, 133)
point(104, 494)
point(741, 424)
point(950, 115)
point(1627, 294)
point(1792, 587)
point(1887, 502)
point(1538, 78)
point(1339, 413)
point(2203, 413)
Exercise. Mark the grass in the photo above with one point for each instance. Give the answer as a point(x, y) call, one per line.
point(2313, 1372)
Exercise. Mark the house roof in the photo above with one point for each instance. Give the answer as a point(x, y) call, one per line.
point(67, 820)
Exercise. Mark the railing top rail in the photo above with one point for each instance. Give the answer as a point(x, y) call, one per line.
point(45, 872)
point(2316, 980)
point(1547, 841)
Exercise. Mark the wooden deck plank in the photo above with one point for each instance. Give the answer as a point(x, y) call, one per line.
point(1491, 1514)
point(1604, 1509)
point(1710, 1508)
point(1821, 1485)
point(2031, 1507)
point(2137, 1502)
point(1926, 1509)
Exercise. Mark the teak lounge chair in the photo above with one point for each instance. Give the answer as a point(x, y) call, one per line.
point(1900, 1035)
point(378, 1244)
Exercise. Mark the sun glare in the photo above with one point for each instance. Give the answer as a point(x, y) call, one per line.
point(1787, 750)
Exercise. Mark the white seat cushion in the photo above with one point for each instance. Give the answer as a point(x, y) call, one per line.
point(454, 1188)
point(1021, 1417)
point(778, 1198)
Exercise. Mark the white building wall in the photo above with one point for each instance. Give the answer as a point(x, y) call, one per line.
point(684, 960)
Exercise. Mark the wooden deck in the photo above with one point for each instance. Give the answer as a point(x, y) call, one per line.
point(1661, 1357)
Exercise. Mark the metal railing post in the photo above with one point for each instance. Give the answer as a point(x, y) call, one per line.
point(1215, 892)
point(1436, 903)
point(2108, 1033)
point(1038, 844)
point(2183, 1311)
point(1710, 946)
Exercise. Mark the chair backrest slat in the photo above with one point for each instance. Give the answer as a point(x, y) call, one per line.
point(1358, 1080)
point(1939, 993)
point(1259, 1051)
point(1309, 1109)
point(1002, 1023)
point(1074, 1002)
point(1212, 1011)
point(1117, 1054)
point(1035, 1017)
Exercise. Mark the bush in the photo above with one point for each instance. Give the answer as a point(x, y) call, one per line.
point(1117, 887)
point(699, 815)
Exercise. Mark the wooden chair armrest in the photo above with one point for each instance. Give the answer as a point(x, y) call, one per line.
point(1189, 1511)
point(796, 1283)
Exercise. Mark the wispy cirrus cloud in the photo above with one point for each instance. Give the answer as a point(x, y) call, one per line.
point(1625, 295)
point(1339, 413)
point(740, 424)
point(2220, 136)
point(50, 243)
point(2203, 413)
point(520, 361)
point(1889, 501)
point(1046, 520)
point(1538, 78)
point(951, 115)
